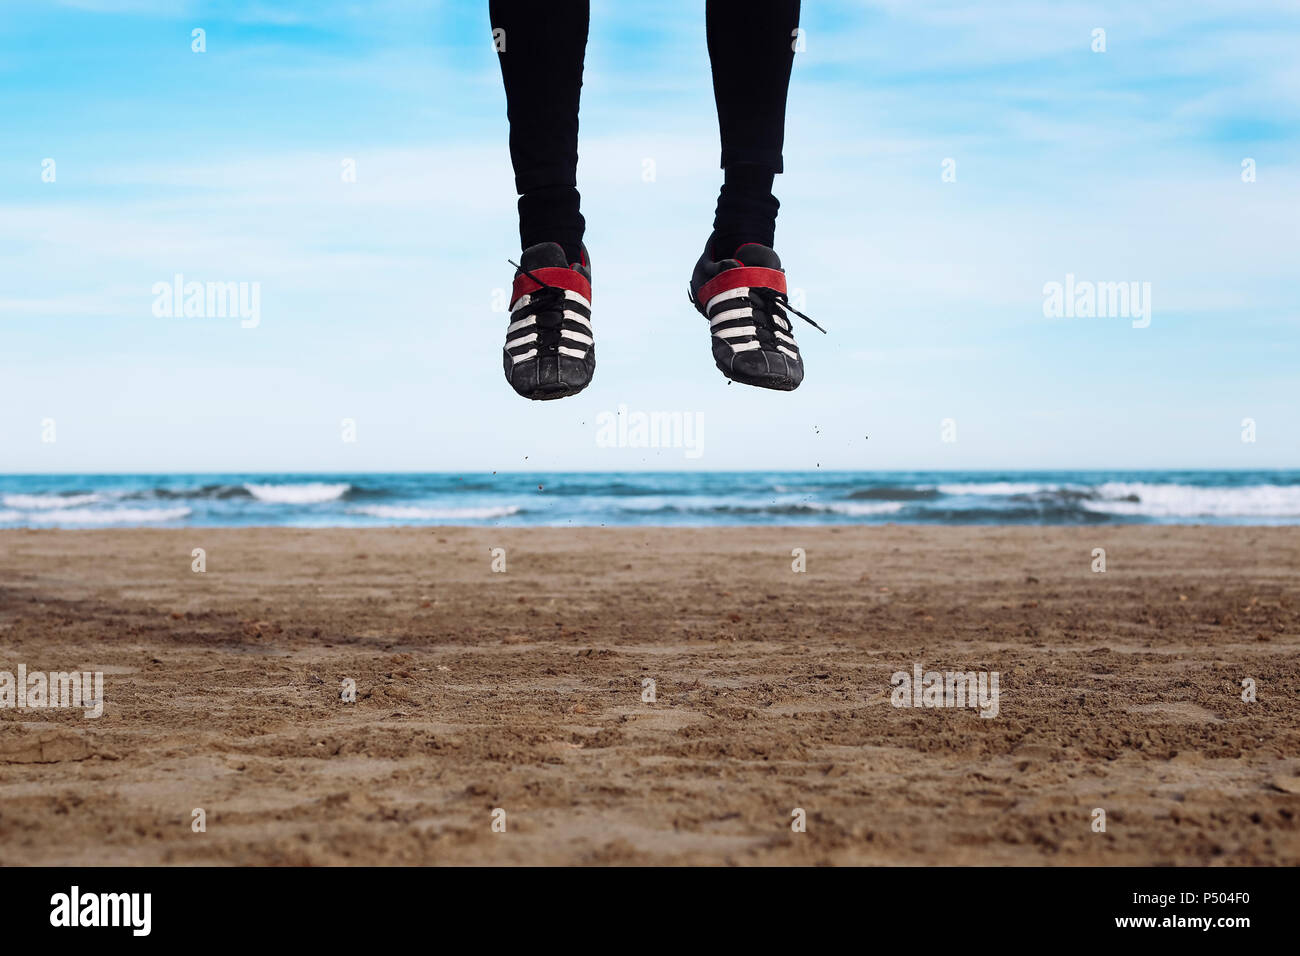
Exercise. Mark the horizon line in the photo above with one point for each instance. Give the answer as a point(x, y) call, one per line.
point(649, 471)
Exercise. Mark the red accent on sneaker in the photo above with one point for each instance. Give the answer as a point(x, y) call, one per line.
point(746, 276)
point(551, 275)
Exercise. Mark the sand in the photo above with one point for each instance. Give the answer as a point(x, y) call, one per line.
point(522, 691)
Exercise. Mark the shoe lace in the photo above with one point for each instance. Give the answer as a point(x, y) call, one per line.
point(547, 305)
point(765, 305)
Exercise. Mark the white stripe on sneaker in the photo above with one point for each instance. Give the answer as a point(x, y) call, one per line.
point(738, 293)
point(731, 314)
point(570, 294)
point(738, 332)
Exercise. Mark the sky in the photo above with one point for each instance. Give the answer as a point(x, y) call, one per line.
point(380, 298)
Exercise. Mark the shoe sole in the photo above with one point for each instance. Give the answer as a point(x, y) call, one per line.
point(780, 383)
point(549, 393)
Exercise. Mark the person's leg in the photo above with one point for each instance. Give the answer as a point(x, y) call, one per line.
point(738, 283)
point(751, 48)
point(541, 47)
point(549, 350)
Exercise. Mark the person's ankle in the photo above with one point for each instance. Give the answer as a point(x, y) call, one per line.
point(552, 214)
point(573, 251)
point(746, 210)
point(723, 245)
point(572, 247)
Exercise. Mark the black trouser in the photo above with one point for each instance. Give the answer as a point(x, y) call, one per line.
point(541, 45)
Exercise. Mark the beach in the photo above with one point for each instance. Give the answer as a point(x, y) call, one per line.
point(648, 695)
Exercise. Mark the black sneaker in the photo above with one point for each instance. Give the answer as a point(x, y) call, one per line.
point(744, 299)
point(549, 351)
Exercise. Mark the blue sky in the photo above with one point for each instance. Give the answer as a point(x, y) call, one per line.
point(377, 296)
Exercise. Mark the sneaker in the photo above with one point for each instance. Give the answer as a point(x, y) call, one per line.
point(549, 351)
point(744, 299)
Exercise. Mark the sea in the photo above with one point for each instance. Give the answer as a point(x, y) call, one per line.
point(623, 499)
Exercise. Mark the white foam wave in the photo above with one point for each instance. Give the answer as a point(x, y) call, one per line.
point(98, 516)
point(310, 493)
point(1190, 501)
point(862, 507)
point(31, 502)
point(997, 488)
point(415, 513)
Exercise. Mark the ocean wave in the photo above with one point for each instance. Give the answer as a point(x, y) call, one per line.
point(416, 513)
point(1061, 495)
point(30, 502)
point(608, 489)
point(804, 508)
point(859, 509)
point(1003, 489)
point(363, 493)
point(707, 499)
point(309, 493)
point(895, 494)
point(76, 516)
point(1041, 514)
point(1138, 498)
point(213, 492)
